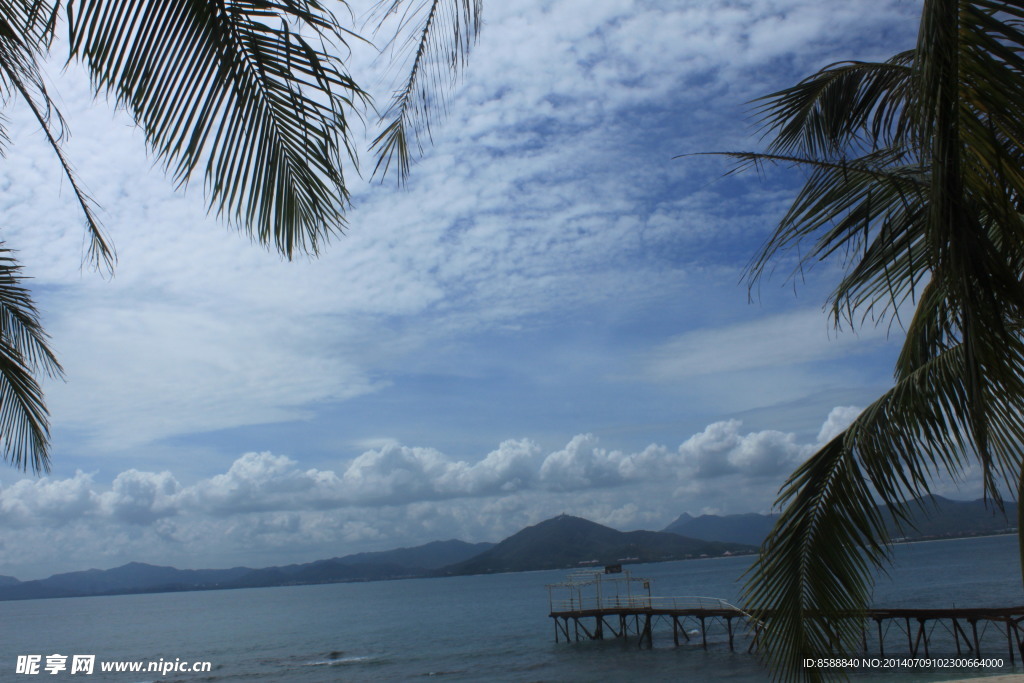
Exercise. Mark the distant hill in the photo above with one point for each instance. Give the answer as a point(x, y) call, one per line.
point(430, 556)
point(323, 571)
point(933, 517)
point(136, 577)
point(566, 541)
point(938, 517)
point(560, 542)
point(750, 528)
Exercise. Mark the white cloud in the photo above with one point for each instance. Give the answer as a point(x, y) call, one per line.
point(141, 497)
point(774, 341)
point(722, 450)
point(838, 420)
point(48, 501)
point(266, 505)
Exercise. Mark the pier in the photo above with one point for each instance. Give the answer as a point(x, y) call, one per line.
point(593, 605)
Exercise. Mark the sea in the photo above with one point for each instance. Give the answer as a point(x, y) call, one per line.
point(472, 628)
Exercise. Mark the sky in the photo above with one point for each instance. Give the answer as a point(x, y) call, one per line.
point(552, 316)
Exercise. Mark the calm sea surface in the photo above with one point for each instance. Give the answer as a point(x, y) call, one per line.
point(491, 628)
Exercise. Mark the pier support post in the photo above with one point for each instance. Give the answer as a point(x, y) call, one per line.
point(757, 634)
point(581, 625)
point(922, 634)
point(646, 633)
point(1017, 638)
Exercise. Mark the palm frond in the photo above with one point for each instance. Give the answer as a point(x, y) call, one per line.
point(814, 576)
point(24, 351)
point(436, 51)
point(251, 91)
point(916, 183)
point(846, 106)
point(25, 29)
point(867, 213)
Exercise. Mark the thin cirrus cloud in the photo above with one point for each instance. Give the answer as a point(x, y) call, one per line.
point(774, 341)
point(550, 273)
point(549, 189)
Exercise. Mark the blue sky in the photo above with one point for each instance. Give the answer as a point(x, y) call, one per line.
point(551, 317)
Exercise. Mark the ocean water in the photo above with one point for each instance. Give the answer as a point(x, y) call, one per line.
point(492, 628)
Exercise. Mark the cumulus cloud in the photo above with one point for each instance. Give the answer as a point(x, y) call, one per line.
point(48, 501)
point(721, 449)
point(393, 495)
point(141, 497)
point(392, 475)
point(581, 464)
point(838, 420)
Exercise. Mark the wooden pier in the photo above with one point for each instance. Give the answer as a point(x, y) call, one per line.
point(591, 605)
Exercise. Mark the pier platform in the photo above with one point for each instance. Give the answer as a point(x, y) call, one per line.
point(593, 605)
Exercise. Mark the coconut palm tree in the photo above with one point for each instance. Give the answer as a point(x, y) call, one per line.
point(915, 183)
point(251, 95)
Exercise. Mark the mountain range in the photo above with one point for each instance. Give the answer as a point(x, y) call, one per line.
point(933, 517)
point(567, 541)
point(560, 542)
point(137, 577)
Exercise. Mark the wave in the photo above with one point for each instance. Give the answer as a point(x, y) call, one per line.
point(341, 661)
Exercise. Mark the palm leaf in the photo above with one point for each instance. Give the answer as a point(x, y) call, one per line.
point(250, 91)
point(845, 106)
point(436, 52)
point(916, 184)
point(25, 29)
point(24, 351)
point(814, 576)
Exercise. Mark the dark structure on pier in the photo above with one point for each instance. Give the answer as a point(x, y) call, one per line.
point(591, 605)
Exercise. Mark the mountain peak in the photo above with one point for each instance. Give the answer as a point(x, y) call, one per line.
point(567, 541)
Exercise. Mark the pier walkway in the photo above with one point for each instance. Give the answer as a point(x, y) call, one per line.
point(592, 605)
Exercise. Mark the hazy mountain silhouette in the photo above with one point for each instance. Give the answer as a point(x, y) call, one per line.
point(566, 541)
point(750, 528)
point(561, 542)
point(931, 517)
point(136, 577)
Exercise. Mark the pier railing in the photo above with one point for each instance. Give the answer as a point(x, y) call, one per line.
point(640, 602)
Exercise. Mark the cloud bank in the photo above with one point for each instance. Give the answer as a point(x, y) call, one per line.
point(266, 505)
